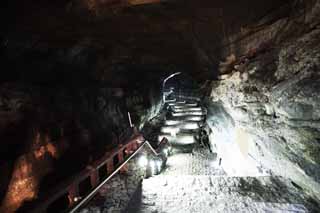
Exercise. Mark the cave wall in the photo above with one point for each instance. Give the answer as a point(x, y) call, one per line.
point(49, 134)
point(271, 95)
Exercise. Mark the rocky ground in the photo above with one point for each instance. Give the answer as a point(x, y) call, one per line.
point(201, 193)
point(115, 195)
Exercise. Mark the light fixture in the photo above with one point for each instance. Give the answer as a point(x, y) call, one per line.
point(190, 109)
point(170, 130)
point(185, 139)
point(143, 161)
point(171, 122)
point(152, 167)
point(76, 199)
point(192, 104)
point(191, 126)
point(159, 165)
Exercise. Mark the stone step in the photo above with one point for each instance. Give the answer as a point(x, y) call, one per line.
point(171, 100)
point(188, 109)
point(181, 114)
point(184, 104)
point(188, 118)
point(182, 125)
point(182, 107)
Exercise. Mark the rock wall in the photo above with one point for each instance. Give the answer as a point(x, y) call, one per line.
point(49, 133)
point(270, 100)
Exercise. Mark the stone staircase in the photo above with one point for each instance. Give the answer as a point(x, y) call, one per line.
point(182, 123)
point(194, 182)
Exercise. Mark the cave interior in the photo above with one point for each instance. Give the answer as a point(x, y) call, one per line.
point(77, 74)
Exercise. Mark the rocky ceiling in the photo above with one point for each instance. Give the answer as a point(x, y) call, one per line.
point(111, 39)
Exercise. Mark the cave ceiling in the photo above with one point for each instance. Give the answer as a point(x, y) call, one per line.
point(146, 35)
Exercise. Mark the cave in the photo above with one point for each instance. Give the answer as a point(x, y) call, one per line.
point(160, 106)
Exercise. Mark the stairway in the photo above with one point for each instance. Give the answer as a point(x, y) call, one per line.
point(193, 182)
point(182, 123)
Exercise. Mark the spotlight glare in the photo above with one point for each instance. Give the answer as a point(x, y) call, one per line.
point(171, 130)
point(143, 161)
point(153, 167)
point(191, 126)
point(159, 164)
point(171, 122)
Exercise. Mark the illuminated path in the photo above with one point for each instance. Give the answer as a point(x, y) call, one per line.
point(194, 183)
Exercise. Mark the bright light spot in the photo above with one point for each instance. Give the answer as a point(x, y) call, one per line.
point(213, 163)
point(171, 122)
point(190, 109)
point(185, 139)
point(76, 199)
point(197, 113)
point(153, 166)
point(178, 107)
point(178, 114)
point(171, 130)
point(181, 102)
point(195, 118)
point(143, 161)
point(192, 104)
point(159, 164)
point(170, 101)
point(191, 126)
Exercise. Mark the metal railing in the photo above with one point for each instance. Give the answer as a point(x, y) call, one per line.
point(94, 191)
point(110, 164)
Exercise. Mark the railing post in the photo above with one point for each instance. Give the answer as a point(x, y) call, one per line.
point(110, 166)
point(124, 169)
point(73, 194)
point(94, 178)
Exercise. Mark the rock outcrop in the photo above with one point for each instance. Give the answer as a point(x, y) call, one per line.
point(269, 105)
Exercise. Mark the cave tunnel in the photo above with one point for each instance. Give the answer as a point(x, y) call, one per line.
point(160, 106)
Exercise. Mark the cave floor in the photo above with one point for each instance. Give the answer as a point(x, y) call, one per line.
point(193, 181)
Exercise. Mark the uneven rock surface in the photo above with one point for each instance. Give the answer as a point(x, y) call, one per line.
point(272, 102)
point(195, 182)
point(48, 134)
point(219, 194)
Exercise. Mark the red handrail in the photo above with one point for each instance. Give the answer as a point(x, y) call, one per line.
point(95, 190)
point(124, 153)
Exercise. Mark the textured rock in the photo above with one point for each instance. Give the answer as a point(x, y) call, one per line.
point(275, 100)
point(60, 131)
